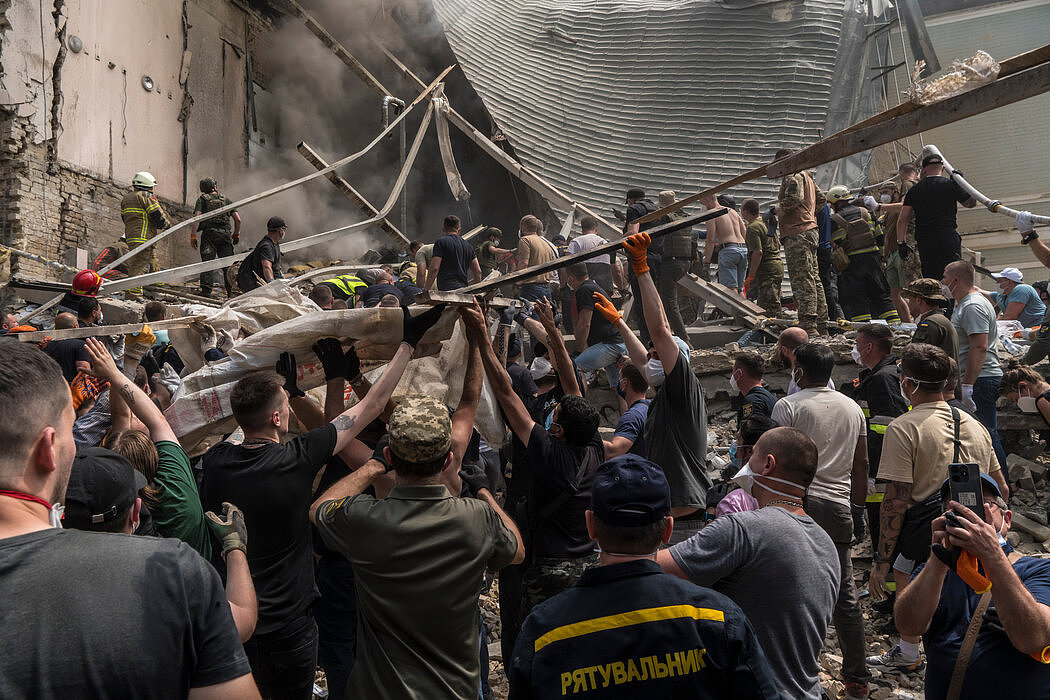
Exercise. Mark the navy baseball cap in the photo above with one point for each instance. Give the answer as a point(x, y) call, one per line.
point(635, 193)
point(630, 491)
point(275, 223)
point(986, 481)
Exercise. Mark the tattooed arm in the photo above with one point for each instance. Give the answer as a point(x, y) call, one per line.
point(891, 517)
point(351, 421)
point(123, 391)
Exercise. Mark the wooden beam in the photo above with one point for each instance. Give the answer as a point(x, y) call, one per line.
point(458, 298)
point(604, 249)
point(338, 49)
point(307, 152)
point(1014, 88)
point(93, 331)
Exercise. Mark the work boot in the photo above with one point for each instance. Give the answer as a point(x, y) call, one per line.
point(855, 689)
point(893, 660)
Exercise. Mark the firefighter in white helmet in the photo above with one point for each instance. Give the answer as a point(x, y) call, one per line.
point(143, 217)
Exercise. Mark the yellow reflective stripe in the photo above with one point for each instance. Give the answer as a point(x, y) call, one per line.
point(627, 619)
point(867, 411)
point(878, 429)
point(874, 498)
point(873, 249)
point(891, 586)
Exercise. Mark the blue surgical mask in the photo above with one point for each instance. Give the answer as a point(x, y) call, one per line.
point(732, 452)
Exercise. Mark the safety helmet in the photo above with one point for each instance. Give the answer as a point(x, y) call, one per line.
point(86, 283)
point(144, 180)
point(838, 192)
point(208, 184)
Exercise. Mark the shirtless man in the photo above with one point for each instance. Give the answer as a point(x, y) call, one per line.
point(728, 231)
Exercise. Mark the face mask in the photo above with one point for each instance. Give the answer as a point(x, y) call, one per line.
point(732, 452)
point(885, 198)
point(621, 393)
point(855, 354)
point(732, 383)
point(55, 515)
point(1027, 404)
point(540, 368)
point(654, 372)
point(947, 290)
point(745, 479)
point(1002, 287)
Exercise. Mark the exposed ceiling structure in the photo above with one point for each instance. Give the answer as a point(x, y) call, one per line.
point(572, 85)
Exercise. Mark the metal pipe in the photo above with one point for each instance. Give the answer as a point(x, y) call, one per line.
point(993, 205)
point(399, 105)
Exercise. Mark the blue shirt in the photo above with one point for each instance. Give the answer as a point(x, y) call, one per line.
point(632, 426)
point(997, 669)
point(631, 631)
point(824, 227)
point(1034, 308)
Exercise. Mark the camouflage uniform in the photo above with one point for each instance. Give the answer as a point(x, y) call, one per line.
point(216, 239)
point(420, 430)
point(547, 577)
point(800, 252)
point(913, 265)
point(770, 273)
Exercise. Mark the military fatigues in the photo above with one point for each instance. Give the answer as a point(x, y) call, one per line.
point(143, 217)
point(797, 202)
point(912, 267)
point(879, 395)
point(770, 273)
point(863, 290)
point(630, 631)
point(637, 211)
point(346, 287)
point(216, 238)
point(674, 263)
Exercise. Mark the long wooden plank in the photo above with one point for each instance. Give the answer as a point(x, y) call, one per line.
point(93, 331)
point(1017, 87)
point(605, 249)
point(314, 158)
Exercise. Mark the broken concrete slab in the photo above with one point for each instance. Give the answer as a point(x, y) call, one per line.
point(1037, 469)
point(1039, 533)
point(1021, 477)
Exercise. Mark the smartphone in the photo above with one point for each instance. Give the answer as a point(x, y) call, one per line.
point(965, 482)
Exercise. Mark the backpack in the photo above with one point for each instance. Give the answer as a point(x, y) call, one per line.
point(859, 234)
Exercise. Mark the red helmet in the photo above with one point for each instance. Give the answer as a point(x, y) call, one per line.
point(86, 283)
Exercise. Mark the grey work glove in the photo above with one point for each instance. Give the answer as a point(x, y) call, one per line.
point(231, 528)
point(379, 453)
point(415, 327)
point(474, 477)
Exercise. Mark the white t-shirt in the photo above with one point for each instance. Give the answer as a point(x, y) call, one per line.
point(833, 421)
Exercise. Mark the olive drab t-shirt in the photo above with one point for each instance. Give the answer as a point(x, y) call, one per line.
point(758, 238)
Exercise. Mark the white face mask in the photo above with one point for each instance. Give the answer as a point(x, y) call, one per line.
point(540, 368)
point(732, 383)
point(745, 479)
point(885, 198)
point(654, 372)
point(54, 516)
point(947, 290)
point(855, 354)
point(1027, 404)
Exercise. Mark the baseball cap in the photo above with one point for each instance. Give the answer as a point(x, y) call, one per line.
point(629, 490)
point(986, 481)
point(1010, 273)
point(726, 200)
point(926, 288)
point(104, 483)
point(420, 430)
point(634, 193)
point(275, 223)
point(931, 160)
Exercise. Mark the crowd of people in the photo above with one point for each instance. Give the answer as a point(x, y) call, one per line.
point(359, 539)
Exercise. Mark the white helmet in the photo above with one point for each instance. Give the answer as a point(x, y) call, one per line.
point(838, 192)
point(144, 180)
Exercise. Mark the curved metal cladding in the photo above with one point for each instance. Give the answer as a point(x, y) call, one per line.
point(597, 96)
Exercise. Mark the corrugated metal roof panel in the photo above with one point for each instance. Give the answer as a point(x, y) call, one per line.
point(574, 85)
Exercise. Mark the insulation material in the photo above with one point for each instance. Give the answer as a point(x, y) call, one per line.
point(599, 95)
point(201, 406)
point(962, 76)
point(448, 159)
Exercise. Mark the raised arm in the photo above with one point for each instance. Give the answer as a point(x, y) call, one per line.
point(135, 398)
point(463, 418)
point(637, 352)
point(655, 320)
point(513, 409)
point(559, 353)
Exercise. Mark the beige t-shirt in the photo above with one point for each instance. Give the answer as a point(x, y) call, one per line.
point(834, 422)
point(533, 250)
point(918, 448)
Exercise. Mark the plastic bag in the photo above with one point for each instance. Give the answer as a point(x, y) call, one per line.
point(962, 76)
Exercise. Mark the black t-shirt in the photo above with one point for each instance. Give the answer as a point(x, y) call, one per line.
point(557, 523)
point(265, 249)
point(374, 293)
point(601, 330)
point(455, 254)
point(271, 484)
point(67, 353)
point(521, 382)
point(934, 201)
point(676, 435)
point(758, 401)
point(90, 614)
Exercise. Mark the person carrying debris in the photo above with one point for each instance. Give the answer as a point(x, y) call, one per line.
point(143, 218)
point(533, 249)
point(765, 272)
point(262, 265)
point(216, 239)
point(453, 260)
point(625, 615)
point(797, 205)
point(857, 237)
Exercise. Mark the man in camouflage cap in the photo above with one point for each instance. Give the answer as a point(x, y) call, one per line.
point(926, 302)
point(418, 555)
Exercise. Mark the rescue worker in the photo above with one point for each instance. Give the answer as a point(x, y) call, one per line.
point(878, 394)
point(143, 218)
point(675, 262)
point(863, 290)
point(345, 287)
point(216, 239)
point(618, 631)
point(638, 205)
point(108, 255)
point(765, 268)
point(889, 194)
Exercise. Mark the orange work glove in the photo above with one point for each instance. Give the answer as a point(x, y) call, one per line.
point(637, 246)
point(606, 308)
point(193, 241)
point(747, 284)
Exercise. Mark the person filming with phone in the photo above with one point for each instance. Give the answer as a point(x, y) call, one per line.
point(982, 609)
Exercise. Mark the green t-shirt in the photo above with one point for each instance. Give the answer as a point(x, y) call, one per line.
point(486, 258)
point(179, 513)
point(757, 238)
